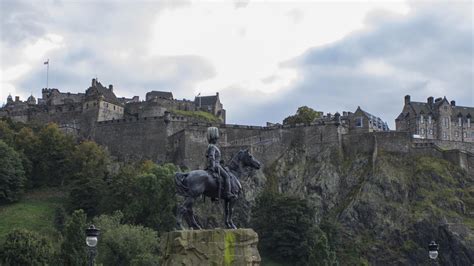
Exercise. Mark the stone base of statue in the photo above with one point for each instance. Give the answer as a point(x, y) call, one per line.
point(210, 247)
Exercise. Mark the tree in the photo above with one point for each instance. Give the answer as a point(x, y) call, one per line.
point(153, 198)
point(124, 244)
point(304, 114)
point(287, 231)
point(12, 175)
point(50, 167)
point(6, 133)
point(89, 164)
point(73, 248)
point(23, 247)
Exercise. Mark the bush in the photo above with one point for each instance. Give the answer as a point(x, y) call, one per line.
point(124, 244)
point(23, 247)
point(12, 175)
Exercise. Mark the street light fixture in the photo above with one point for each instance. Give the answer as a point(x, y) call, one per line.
point(92, 236)
point(433, 250)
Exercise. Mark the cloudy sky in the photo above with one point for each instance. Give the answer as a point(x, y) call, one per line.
point(265, 58)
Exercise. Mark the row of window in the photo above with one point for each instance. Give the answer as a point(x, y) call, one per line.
point(446, 121)
point(456, 133)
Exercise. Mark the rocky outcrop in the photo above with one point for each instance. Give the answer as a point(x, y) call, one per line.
point(210, 247)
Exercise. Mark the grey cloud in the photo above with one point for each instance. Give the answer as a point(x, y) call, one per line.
point(428, 48)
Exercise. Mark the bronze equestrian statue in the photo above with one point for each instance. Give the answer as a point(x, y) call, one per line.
point(216, 182)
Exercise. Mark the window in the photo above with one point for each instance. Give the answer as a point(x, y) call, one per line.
point(446, 108)
point(469, 122)
point(114, 107)
point(422, 131)
point(456, 134)
point(472, 135)
point(464, 134)
point(429, 119)
point(431, 131)
point(444, 135)
point(359, 122)
point(446, 122)
point(421, 119)
point(459, 121)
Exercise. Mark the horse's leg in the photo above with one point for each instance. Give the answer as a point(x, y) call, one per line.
point(190, 213)
point(226, 213)
point(179, 216)
point(231, 208)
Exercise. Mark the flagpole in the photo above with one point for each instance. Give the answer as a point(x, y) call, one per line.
point(47, 74)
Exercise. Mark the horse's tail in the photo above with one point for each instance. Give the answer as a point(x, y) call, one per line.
point(180, 182)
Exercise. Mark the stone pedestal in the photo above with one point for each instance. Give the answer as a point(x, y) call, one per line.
point(210, 247)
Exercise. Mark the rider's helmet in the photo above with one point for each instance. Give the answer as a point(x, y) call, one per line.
point(212, 133)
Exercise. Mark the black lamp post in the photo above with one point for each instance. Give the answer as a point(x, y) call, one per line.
point(92, 236)
point(433, 250)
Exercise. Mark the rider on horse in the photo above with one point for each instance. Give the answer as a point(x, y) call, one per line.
point(213, 155)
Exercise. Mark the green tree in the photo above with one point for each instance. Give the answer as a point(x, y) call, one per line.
point(287, 230)
point(23, 247)
point(73, 248)
point(12, 175)
point(89, 164)
point(26, 143)
point(304, 114)
point(59, 220)
point(119, 189)
point(124, 244)
point(153, 198)
point(50, 167)
point(6, 133)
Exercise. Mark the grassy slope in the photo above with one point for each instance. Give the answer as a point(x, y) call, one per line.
point(34, 212)
point(197, 114)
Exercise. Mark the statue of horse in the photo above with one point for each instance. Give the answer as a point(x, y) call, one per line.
point(195, 183)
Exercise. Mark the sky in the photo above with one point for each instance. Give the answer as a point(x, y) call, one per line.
point(265, 58)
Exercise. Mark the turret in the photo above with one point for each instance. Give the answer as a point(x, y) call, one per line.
point(9, 98)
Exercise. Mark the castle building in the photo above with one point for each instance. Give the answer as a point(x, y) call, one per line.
point(361, 122)
point(436, 119)
point(80, 111)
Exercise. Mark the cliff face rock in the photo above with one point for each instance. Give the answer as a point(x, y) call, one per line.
point(383, 207)
point(210, 247)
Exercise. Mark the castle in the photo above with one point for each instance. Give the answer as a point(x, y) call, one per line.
point(436, 119)
point(164, 129)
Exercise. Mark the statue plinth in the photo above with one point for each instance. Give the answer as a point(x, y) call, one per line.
point(210, 247)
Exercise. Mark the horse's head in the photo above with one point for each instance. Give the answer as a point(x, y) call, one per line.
point(248, 160)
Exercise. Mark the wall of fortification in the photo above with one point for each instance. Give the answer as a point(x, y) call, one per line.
point(135, 139)
point(386, 141)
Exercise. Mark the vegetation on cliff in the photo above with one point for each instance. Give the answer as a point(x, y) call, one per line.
point(200, 115)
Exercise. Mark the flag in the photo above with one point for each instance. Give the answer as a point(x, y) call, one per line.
point(46, 62)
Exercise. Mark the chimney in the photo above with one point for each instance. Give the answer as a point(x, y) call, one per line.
point(17, 98)
point(453, 103)
point(93, 82)
point(217, 94)
point(430, 100)
point(407, 99)
point(111, 87)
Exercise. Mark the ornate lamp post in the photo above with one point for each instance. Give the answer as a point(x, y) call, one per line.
point(433, 250)
point(92, 235)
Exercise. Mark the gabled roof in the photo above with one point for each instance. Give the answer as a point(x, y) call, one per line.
point(463, 110)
